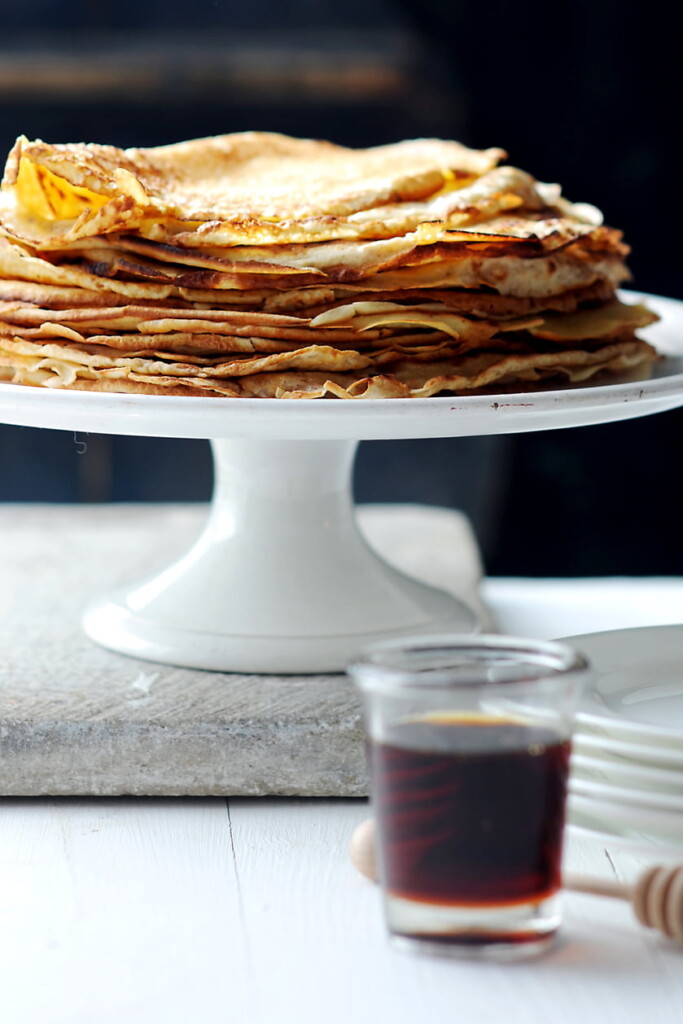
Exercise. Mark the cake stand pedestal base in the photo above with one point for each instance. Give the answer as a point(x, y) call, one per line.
point(280, 581)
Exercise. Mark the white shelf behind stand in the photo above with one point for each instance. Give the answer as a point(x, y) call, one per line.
point(281, 580)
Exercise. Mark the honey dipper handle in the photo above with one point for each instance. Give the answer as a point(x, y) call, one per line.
point(656, 896)
point(598, 886)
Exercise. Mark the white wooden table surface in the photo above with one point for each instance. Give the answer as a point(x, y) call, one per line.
point(122, 911)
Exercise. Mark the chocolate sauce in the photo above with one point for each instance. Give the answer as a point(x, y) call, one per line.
point(470, 811)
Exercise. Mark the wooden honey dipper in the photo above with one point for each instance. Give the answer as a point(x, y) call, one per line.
point(656, 896)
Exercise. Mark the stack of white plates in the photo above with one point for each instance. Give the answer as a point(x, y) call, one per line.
point(627, 767)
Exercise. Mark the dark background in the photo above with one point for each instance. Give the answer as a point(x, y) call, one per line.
point(587, 94)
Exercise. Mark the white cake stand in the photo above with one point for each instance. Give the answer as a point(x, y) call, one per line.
point(281, 580)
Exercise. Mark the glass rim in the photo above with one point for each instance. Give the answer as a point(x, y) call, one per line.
point(374, 669)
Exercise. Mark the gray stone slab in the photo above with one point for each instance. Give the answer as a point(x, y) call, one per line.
point(78, 719)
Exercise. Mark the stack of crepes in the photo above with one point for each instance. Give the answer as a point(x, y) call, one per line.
point(257, 265)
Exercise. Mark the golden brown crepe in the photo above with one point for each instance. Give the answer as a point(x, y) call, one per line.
point(255, 265)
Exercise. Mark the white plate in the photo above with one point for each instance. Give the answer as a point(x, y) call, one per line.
point(626, 731)
point(636, 694)
point(303, 419)
point(627, 795)
point(584, 827)
point(628, 751)
point(632, 775)
point(610, 813)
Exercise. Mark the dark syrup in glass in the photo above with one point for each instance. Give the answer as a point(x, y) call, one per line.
point(470, 811)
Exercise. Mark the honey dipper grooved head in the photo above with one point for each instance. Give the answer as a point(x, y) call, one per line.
point(658, 900)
